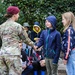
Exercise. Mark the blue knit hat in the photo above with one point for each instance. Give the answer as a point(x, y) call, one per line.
point(36, 23)
point(52, 20)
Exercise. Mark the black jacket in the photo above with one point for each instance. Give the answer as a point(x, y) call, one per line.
point(24, 56)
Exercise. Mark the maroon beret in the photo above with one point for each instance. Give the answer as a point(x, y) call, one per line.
point(13, 10)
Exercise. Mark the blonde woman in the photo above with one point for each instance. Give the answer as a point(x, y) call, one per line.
point(68, 42)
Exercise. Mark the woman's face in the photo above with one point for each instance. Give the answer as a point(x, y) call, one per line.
point(16, 16)
point(64, 21)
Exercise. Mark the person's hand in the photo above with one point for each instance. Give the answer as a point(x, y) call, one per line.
point(65, 62)
point(24, 67)
point(39, 49)
point(35, 47)
point(42, 63)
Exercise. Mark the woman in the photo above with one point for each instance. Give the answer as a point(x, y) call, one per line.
point(68, 42)
point(11, 33)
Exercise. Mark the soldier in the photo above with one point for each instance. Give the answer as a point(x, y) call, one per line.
point(11, 33)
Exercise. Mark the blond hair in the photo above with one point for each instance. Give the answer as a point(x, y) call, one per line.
point(70, 18)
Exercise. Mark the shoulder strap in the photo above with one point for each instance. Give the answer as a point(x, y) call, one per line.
point(68, 48)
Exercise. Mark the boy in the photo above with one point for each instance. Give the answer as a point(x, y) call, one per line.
point(51, 41)
point(26, 66)
point(27, 28)
point(35, 34)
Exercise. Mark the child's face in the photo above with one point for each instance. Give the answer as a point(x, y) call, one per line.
point(36, 28)
point(26, 28)
point(48, 24)
point(64, 21)
point(20, 45)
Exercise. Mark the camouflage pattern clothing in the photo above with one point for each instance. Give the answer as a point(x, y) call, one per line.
point(11, 33)
point(10, 65)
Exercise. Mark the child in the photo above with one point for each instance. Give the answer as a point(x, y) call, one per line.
point(51, 41)
point(27, 28)
point(68, 42)
point(35, 34)
point(26, 66)
point(38, 69)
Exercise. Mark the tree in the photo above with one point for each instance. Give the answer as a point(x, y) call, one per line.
point(38, 10)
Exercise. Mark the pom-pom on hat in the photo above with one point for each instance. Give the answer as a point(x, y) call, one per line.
point(13, 10)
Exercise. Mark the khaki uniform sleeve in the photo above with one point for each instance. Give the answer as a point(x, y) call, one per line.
point(24, 37)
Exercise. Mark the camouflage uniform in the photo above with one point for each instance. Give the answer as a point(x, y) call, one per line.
point(11, 33)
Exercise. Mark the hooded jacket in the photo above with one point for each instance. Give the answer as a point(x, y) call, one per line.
point(53, 43)
point(36, 34)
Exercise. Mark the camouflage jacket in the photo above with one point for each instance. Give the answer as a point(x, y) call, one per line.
point(11, 33)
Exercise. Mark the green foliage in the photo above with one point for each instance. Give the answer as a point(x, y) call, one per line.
point(38, 10)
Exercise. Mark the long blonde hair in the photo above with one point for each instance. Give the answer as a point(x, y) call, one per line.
point(70, 18)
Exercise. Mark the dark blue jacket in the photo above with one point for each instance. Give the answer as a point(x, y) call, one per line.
point(65, 41)
point(53, 44)
point(51, 41)
point(34, 35)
